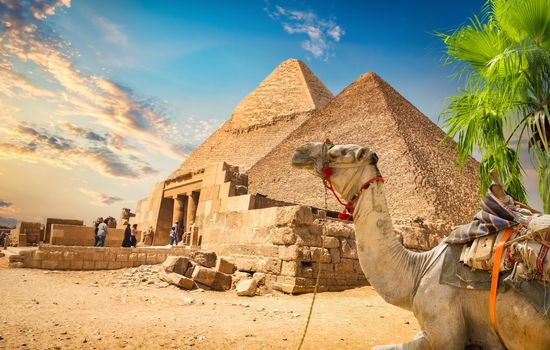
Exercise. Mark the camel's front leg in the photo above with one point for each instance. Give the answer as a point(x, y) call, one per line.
point(419, 343)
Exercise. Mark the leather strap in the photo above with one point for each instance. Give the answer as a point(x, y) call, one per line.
point(494, 279)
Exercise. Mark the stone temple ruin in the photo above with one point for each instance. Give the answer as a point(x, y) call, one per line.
point(238, 196)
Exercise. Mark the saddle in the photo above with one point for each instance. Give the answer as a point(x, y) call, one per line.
point(525, 262)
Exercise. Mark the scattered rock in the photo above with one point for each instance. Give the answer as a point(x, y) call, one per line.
point(259, 277)
point(177, 279)
point(191, 301)
point(205, 258)
point(177, 264)
point(162, 284)
point(225, 266)
point(246, 287)
point(238, 276)
point(204, 275)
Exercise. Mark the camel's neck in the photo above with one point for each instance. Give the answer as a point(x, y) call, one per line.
point(392, 270)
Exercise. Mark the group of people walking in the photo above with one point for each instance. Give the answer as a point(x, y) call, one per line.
point(130, 234)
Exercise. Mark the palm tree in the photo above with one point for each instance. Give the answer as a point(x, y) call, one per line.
point(503, 61)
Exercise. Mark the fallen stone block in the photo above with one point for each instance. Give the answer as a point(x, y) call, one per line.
point(246, 287)
point(259, 277)
point(177, 264)
point(190, 268)
point(222, 282)
point(176, 279)
point(239, 276)
point(225, 266)
point(204, 275)
point(204, 258)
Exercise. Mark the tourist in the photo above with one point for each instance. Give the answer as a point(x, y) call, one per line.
point(3, 239)
point(96, 224)
point(127, 243)
point(174, 234)
point(101, 234)
point(147, 237)
point(133, 236)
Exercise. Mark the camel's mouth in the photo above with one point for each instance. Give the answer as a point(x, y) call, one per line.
point(301, 160)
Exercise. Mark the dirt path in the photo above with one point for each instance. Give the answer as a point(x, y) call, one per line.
point(92, 310)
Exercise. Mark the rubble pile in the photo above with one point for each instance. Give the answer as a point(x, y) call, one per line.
point(204, 270)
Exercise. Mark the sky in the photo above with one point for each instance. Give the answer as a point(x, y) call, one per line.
point(100, 100)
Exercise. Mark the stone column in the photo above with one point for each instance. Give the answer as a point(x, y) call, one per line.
point(192, 203)
point(179, 207)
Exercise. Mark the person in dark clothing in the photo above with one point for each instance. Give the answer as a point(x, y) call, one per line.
point(133, 237)
point(127, 242)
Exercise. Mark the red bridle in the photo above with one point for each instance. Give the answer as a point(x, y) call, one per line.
point(347, 212)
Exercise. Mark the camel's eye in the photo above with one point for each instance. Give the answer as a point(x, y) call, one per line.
point(343, 152)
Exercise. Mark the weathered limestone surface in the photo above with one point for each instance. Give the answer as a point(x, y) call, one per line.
point(283, 247)
point(422, 178)
point(204, 258)
point(263, 118)
point(83, 236)
point(225, 266)
point(214, 279)
point(176, 279)
point(246, 287)
point(26, 233)
point(290, 88)
point(92, 258)
point(177, 264)
point(52, 221)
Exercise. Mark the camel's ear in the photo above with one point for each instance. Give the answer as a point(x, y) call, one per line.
point(373, 157)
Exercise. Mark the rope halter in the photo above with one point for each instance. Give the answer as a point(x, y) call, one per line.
point(327, 170)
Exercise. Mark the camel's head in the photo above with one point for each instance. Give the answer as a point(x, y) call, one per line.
point(348, 163)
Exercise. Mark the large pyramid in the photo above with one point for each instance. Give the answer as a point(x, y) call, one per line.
point(281, 103)
point(422, 178)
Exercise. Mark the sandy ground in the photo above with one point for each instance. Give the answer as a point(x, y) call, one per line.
point(92, 310)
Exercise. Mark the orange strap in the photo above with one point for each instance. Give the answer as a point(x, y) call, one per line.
point(494, 278)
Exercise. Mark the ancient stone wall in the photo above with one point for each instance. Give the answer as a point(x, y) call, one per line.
point(148, 209)
point(91, 258)
point(286, 244)
point(26, 233)
point(72, 235)
point(51, 221)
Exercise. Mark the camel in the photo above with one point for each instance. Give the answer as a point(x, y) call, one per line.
point(450, 318)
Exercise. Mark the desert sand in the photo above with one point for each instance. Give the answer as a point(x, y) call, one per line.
point(119, 309)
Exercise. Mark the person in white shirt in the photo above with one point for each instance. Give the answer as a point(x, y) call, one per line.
point(101, 234)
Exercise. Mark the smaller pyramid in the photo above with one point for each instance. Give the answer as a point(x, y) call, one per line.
point(280, 104)
point(291, 88)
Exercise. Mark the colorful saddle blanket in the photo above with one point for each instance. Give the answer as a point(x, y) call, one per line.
point(525, 266)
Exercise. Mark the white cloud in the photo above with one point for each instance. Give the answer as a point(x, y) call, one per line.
point(322, 34)
point(112, 32)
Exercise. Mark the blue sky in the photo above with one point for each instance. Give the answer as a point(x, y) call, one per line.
point(102, 99)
